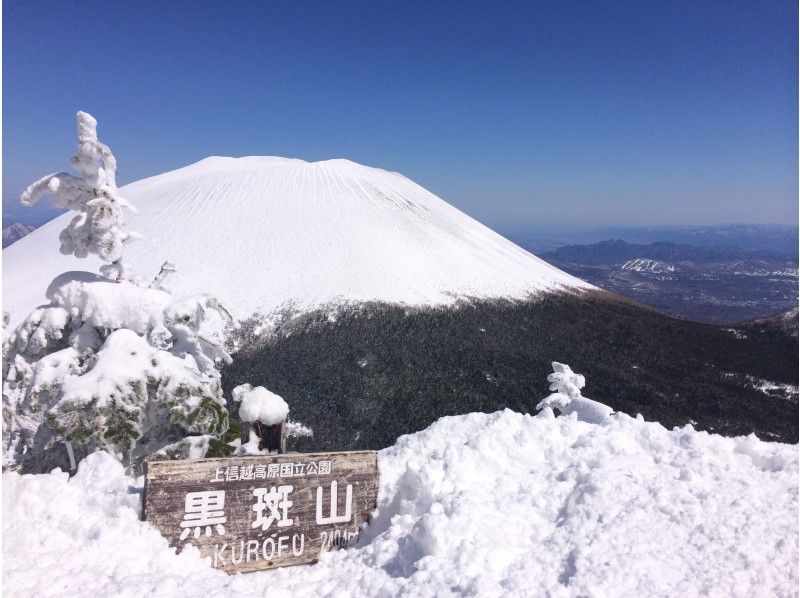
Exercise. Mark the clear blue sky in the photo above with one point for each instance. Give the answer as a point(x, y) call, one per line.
point(520, 113)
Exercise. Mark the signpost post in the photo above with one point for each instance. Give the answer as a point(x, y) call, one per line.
point(251, 513)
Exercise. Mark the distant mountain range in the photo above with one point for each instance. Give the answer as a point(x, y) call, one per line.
point(714, 284)
point(15, 232)
point(776, 238)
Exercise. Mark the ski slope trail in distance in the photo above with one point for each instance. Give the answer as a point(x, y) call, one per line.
point(263, 233)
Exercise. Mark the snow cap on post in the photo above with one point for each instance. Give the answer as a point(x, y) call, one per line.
point(260, 405)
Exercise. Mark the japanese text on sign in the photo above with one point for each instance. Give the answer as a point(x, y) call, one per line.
point(252, 513)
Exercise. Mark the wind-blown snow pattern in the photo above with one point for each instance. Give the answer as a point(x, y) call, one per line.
point(263, 232)
point(501, 504)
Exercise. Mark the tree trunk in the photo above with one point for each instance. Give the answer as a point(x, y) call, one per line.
point(272, 438)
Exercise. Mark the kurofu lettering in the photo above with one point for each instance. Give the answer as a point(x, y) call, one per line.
point(253, 551)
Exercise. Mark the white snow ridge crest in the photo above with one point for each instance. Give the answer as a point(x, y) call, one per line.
point(261, 233)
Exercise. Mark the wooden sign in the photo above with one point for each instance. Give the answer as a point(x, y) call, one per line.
point(250, 513)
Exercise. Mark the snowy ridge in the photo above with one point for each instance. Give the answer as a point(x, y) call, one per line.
point(15, 232)
point(262, 233)
point(641, 264)
point(563, 508)
point(785, 321)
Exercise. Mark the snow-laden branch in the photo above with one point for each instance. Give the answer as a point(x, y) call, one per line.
point(565, 386)
point(97, 229)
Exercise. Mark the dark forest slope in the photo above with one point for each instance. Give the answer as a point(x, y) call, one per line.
point(376, 372)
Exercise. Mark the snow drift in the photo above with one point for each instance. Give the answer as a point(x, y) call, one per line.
point(261, 233)
point(490, 505)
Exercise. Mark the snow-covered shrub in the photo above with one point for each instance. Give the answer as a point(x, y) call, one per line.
point(105, 365)
point(97, 229)
point(298, 430)
point(116, 367)
point(566, 396)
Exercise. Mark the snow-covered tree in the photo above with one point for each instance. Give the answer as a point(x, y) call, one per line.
point(565, 386)
point(109, 365)
point(117, 367)
point(566, 396)
point(97, 229)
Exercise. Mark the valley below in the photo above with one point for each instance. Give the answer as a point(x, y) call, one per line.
point(362, 376)
point(716, 285)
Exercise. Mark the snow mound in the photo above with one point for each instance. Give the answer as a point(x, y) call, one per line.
point(263, 233)
point(490, 505)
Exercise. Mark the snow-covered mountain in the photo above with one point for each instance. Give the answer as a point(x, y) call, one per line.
point(264, 232)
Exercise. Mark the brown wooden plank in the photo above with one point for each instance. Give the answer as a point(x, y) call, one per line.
point(232, 487)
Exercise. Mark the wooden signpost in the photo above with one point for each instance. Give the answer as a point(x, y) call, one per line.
point(251, 513)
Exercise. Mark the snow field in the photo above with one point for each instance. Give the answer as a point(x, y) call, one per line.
point(489, 505)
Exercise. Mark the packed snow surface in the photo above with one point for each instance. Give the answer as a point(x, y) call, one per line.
point(104, 304)
point(261, 233)
point(489, 505)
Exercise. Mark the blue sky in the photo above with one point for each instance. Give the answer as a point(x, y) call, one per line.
point(532, 114)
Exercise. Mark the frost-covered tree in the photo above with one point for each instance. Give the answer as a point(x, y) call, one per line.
point(116, 367)
point(565, 386)
point(109, 365)
point(566, 396)
point(97, 229)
